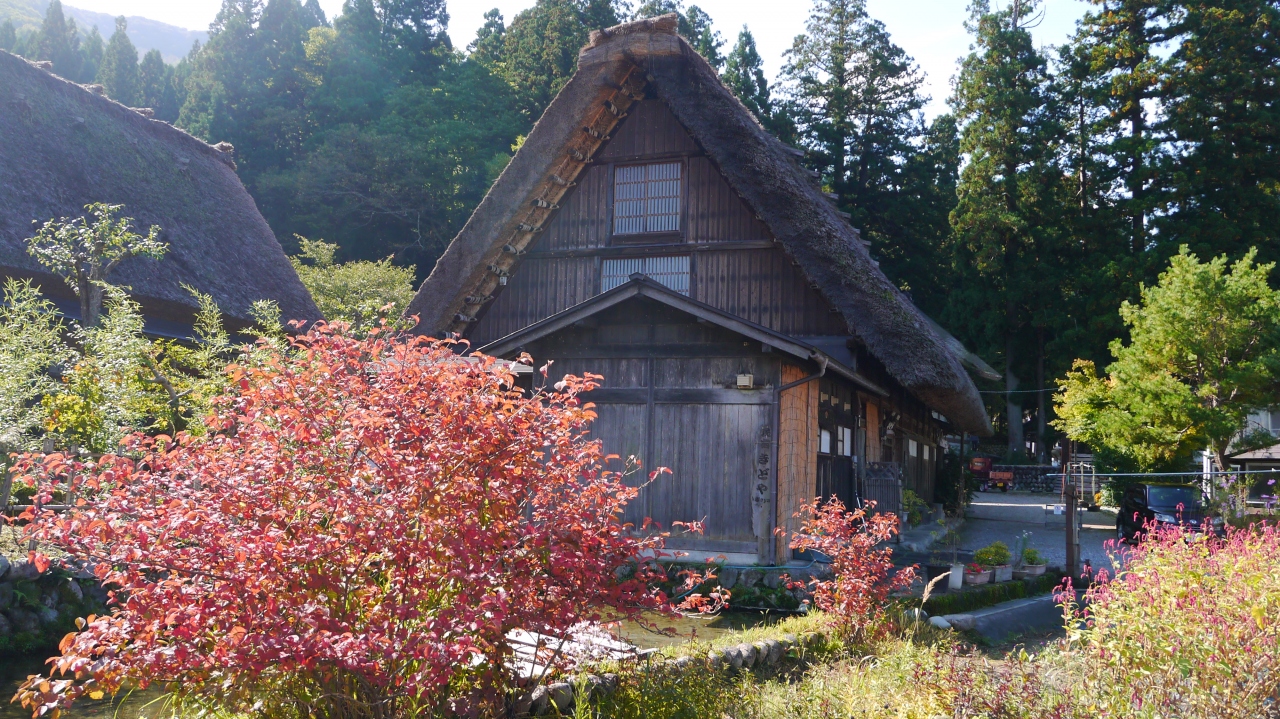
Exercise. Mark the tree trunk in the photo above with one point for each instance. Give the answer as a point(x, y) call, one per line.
point(1042, 439)
point(1013, 401)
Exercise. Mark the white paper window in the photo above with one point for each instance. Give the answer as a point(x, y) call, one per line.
point(646, 198)
point(671, 271)
point(912, 447)
point(824, 441)
point(844, 441)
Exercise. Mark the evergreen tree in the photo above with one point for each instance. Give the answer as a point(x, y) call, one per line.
point(1223, 110)
point(156, 90)
point(8, 35)
point(540, 48)
point(744, 74)
point(856, 100)
point(92, 50)
point(1008, 194)
point(58, 41)
point(315, 14)
point(118, 73)
point(487, 47)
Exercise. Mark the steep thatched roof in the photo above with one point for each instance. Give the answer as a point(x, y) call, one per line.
point(63, 146)
point(616, 68)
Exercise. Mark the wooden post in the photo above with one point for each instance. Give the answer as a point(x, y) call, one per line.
point(1073, 530)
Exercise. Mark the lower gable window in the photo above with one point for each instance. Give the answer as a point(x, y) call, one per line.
point(672, 271)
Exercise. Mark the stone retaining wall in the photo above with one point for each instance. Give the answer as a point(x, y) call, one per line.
point(37, 609)
point(1032, 477)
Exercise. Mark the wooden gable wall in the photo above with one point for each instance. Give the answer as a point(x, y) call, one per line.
point(735, 264)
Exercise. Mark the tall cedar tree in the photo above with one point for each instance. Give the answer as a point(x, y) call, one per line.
point(59, 42)
point(155, 86)
point(1223, 110)
point(539, 50)
point(118, 74)
point(1007, 197)
point(8, 35)
point(856, 102)
point(744, 74)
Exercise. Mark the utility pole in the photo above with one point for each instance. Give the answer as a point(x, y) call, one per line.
point(1073, 530)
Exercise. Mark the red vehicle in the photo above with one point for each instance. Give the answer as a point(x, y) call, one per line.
point(981, 468)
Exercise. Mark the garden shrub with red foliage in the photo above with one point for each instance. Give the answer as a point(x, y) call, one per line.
point(356, 536)
point(862, 576)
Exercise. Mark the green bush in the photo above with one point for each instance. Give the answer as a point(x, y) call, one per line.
point(1031, 556)
point(991, 594)
point(995, 554)
point(914, 506)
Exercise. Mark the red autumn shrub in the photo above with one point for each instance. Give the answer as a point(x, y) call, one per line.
point(862, 577)
point(356, 536)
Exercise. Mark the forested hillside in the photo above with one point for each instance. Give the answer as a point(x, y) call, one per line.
point(1061, 180)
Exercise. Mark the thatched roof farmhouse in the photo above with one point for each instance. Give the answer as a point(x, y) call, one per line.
point(651, 231)
point(64, 145)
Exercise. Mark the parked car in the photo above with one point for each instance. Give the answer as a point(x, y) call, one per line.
point(980, 468)
point(1163, 504)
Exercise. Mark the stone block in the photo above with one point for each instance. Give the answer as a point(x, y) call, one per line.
point(5, 627)
point(734, 656)
point(750, 577)
point(539, 700)
point(762, 653)
point(48, 615)
point(940, 622)
point(561, 695)
point(776, 650)
point(6, 595)
point(22, 571)
point(716, 660)
point(728, 577)
point(23, 620)
point(748, 653)
point(70, 591)
point(963, 622)
point(772, 579)
point(4, 566)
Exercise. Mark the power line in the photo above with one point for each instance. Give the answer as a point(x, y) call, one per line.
point(1017, 391)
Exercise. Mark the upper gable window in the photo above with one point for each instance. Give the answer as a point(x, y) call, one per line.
point(646, 198)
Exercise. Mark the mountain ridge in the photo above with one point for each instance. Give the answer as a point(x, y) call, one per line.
point(172, 41)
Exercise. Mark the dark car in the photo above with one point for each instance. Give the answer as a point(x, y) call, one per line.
point(1162, 504)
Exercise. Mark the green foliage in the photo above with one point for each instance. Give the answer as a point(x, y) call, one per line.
point(84, 254)
point(1204, 351)
point(989, 595)
point(118, 73)
point(31, 345)
point(156, 86)
point(995, 554)
point(1032, 557)
point(539, 50)
point(915, 507)
point(8, 35)
point(359, 293)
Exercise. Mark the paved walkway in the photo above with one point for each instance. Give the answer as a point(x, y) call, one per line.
point(1001, 516)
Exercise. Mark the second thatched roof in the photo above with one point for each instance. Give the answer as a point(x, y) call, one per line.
point(63, 146)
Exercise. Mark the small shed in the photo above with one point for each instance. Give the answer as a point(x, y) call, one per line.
point(651, 231)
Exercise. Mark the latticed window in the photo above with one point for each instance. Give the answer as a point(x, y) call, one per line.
point(670, 271)
point(646, 198)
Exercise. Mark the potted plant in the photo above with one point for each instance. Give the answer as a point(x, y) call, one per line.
point(951, 539)
point(976, 574)
point(995, 556)
point(1033, 564)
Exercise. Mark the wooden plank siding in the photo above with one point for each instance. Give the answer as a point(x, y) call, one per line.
point(797, 452)
point(735, 264)
point(669, 399)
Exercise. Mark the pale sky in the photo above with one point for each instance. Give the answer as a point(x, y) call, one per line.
point(931, 31)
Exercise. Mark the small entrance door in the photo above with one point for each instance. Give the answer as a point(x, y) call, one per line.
point(836, 423)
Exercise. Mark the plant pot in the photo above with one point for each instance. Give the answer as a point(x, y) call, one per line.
point(977, 577)
point(1034, 570)
point(1003, 573)
point(932, 572)
point(956, 581)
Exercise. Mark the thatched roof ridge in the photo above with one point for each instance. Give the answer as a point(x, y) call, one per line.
point(64, 145)
point(763, 171)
